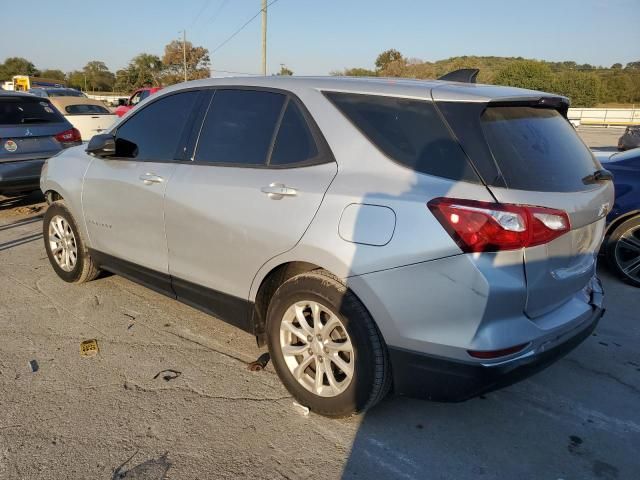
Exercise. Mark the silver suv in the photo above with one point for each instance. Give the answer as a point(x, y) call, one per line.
point(433, 237)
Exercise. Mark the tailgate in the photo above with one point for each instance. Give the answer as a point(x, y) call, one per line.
point(529, 154)
point(33, 141)
point(90, 125)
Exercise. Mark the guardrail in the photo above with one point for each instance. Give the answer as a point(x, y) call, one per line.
point(605, 116)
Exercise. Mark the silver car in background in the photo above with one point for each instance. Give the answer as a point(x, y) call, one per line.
point(435, 238)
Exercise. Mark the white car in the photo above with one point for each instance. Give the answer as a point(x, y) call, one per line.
point(89, 116)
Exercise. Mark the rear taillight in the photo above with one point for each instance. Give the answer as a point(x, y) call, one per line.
point(69, 136)
point(490, 227)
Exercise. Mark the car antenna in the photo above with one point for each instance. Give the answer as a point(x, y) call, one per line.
point(464, 75)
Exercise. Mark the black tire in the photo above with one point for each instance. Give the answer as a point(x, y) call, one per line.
point(371, 379)
point(85, 269)
point(614, 253)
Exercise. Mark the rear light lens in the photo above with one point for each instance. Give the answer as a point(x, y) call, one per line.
point(491, 227)
point(69, 136)
point(491, 354)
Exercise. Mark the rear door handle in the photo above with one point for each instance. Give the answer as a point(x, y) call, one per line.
point(276, 191)
point(150, 178)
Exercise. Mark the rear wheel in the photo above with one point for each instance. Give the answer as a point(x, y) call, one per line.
point(623, 251)
point(65, 247)
point(325, 346)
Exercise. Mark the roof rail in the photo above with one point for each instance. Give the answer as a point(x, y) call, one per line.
point(464, 75)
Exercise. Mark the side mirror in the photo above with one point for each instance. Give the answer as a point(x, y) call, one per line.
point(102, 145)
point(122, 102)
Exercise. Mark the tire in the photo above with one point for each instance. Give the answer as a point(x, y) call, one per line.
point(83, 269)
point(346, 323)
point(622, 255)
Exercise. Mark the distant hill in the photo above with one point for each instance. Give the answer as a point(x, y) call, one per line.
point(586, 85)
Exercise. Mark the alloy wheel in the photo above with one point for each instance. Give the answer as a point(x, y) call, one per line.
point(62, 243)
point(627, 253)
point(317, 348)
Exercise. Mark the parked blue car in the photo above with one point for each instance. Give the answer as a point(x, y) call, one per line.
point(622, 242)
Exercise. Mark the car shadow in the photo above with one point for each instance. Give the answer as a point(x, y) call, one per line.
point(23, 203)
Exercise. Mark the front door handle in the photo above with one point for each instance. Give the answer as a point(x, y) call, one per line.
point(150, 178)
point(275, 191)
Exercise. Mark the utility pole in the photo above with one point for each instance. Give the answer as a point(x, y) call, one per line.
point(184, 52)
point(264, 37)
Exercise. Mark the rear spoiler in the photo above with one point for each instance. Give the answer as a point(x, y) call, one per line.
point(464, 75)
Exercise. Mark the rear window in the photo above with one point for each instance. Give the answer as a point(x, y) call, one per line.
point(85, 109)
point(26, 111)
point(65, 93)
point(536, 149)
point(408, 131)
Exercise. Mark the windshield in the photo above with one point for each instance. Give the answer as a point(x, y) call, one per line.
point(537, 149)
point(24, 110)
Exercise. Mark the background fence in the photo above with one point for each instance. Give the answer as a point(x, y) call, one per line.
point(606, 116)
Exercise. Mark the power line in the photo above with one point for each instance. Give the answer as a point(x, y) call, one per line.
point(241, 28)
point(236, 73)
point(213, 17)
point(205, 4)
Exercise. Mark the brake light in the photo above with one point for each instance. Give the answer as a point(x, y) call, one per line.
point(490, 227)
point(69, 136)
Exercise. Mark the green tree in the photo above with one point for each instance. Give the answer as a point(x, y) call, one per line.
point(633, 65)
point(386, 58)
point(284, 71)
point(53, 74)
point(98, 76)
point(198, 62)
point(582, 88)
point(143, 69)
point(616, 66)
point(355, 72)
point(525, 74)
point(16, 66)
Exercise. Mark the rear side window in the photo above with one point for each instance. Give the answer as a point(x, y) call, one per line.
point(239, 127)
point(154, 132)
point(294, 143)
point(408, 131)
point(27, 111)
point(85, 109)
point(536, 149)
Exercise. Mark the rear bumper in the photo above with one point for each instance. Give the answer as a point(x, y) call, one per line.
point(423, 376)
point(20, 175)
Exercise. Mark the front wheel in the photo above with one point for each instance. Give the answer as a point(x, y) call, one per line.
point(65, 247)
point(623, 251)
point(325, 346)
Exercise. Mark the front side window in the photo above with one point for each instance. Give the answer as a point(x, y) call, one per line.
point(135, 99)
point(239, 127)
point(154, 133)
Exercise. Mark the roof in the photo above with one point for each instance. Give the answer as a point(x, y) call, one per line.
point(12, 93)
point(438, 89)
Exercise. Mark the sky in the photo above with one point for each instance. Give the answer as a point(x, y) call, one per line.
point(316, 37)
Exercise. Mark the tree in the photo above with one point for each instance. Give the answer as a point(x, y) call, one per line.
point(633, 65)
point(53, 74)
point(16, 66)
point(354, 72)
point(143, 69)
point(284, 71)
point(616, 66)
point(198, 62)
point(582, 88)
point(98, 76)
point(529, 74)
point(387, 57)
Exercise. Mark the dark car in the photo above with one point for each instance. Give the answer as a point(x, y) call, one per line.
point(622, 243)
point(31, 130)
point(630, 138)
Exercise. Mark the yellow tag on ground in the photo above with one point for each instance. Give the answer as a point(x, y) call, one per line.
point(89, 348)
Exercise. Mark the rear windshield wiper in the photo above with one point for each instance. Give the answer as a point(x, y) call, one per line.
point(601, 175)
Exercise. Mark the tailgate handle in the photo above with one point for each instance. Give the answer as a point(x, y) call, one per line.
point(276, 191)
point(151, 178)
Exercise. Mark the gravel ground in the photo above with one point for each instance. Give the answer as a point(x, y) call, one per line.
point(170, 395)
